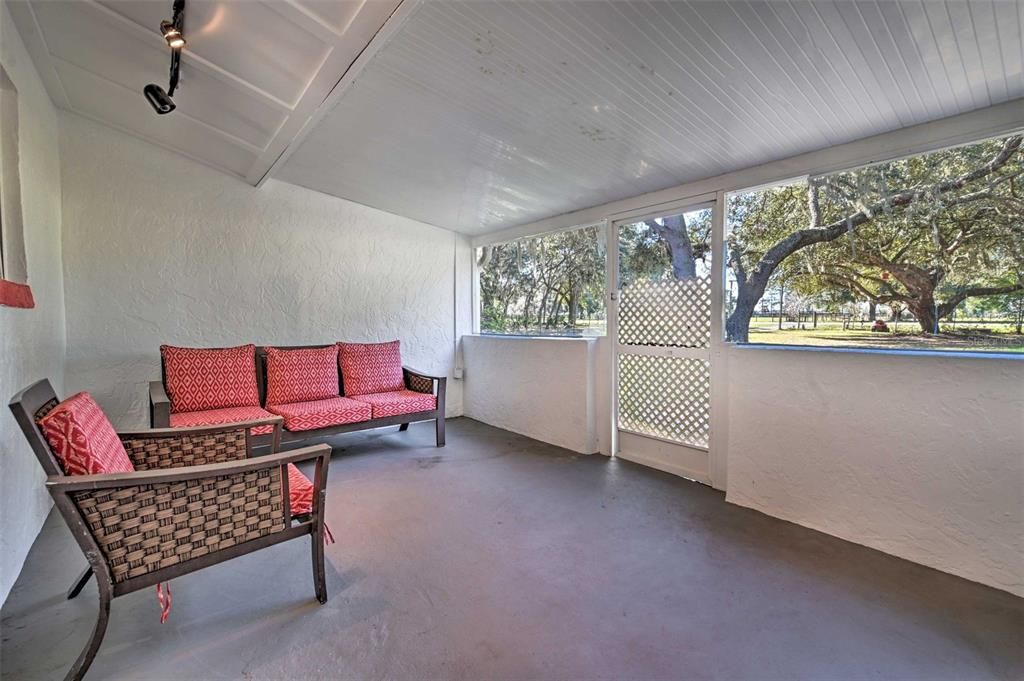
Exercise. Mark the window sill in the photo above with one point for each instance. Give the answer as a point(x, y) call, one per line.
point(535, 338)
point(949, 354)
point(16, 295)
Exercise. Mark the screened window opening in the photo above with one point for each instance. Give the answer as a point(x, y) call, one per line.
point(921, 253)
point(549, 285)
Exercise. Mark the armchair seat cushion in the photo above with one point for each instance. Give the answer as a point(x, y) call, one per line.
point(398, 402)
point(83, 439)
point(321, 413)
point(216, 417)
point(300, 491)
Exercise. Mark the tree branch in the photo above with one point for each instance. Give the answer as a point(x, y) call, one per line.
point(975, 291)
point(806, 237)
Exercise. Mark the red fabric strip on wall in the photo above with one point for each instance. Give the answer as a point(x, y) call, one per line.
point(16, 295)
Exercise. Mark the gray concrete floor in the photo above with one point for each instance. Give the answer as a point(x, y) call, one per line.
point(500, 557)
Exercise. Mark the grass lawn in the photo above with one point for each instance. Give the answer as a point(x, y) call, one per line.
point(968, 335)
point(902, 336)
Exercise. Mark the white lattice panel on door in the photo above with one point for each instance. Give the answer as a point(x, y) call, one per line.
point(673, 313)
point(668, 397)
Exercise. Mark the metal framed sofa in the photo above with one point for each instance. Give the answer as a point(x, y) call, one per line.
point(180, 500)
point(318, 390)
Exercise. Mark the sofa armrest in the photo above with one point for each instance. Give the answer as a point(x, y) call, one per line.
point(407, 370)
point(159, 405)
point(421, 382)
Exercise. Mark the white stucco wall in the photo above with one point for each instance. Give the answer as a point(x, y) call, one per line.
point(31, 341)
point(541, 387)
point(918, 456)
point(158, 249)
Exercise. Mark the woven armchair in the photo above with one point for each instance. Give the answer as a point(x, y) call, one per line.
point(195, 499)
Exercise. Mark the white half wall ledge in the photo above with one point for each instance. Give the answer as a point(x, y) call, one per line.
point(540, 387)
point(921, 457)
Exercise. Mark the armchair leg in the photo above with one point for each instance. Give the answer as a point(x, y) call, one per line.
point(319, 577)
point(80, 582)
point(404, 427)
point(88, 653)
point(439, 427)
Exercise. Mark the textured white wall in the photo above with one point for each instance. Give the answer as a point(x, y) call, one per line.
point(918, 456)
point(31, 341)
point(540, 387)
point(158, 249)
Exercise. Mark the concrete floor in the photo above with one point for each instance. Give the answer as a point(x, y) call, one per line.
point(500, 557)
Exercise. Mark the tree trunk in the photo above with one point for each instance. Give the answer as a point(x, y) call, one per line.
point(677, 241)
point(872, 310)
point(923, 308)
point(737, 326)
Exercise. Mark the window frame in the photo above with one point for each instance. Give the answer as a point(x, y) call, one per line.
point(14, 288)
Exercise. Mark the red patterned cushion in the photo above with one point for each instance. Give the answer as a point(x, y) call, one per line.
point(215, 417)
point(200, 379)
point(368, 368)
point(398, 402)
point(301, 375)
point(300, 491)
point(83, 439)
point(321, 413)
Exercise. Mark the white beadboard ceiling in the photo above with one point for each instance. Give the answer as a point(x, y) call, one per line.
point(478, 116)
point(252, 73)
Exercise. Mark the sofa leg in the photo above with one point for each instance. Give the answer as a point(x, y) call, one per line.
point(80, 582)
point(88, 653)
point(404, 427)
point(319, 577)
point(439, 426)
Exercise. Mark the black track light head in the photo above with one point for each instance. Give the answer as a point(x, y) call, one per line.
point(158, 99)
point(171, 30)
point(175, 40)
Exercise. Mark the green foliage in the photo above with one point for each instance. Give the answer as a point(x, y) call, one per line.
point(547, 284)
point(928, 243)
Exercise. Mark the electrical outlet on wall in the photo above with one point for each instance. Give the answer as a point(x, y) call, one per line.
point(457, 373)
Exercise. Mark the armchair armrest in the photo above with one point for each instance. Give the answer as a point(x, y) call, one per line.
point(176, 447)
point(103, 481)
point(145, 524)
point(159, 405)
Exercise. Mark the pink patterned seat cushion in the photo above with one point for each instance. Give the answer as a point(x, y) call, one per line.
point(398, 402)
point(368, 368)
point(301, 375)
point(82, 438)
point(300, 491)
point(216, 417)
point(201, 379)
point(321, 413)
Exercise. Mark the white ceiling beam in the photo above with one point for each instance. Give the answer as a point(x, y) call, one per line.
point(316, 102)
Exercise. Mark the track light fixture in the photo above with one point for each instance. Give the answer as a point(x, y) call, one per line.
point(175, 40)
point(172, 32)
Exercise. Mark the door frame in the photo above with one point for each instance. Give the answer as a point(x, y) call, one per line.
point(716, 450)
